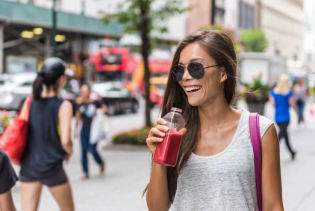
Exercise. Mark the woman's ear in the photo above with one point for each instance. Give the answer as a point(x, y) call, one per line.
point(223, 74)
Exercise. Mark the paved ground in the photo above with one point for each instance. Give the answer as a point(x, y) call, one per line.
point(128, 172)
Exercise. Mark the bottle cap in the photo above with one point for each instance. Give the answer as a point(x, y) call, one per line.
point(178, 110)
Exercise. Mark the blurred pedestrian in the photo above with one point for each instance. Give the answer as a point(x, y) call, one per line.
point(85, 112)
point(8, 179)
point(49, 142)
point(301, 93)
point(282, 98)
point(215, 167)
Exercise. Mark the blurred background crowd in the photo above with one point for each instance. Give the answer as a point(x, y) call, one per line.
point(123, 49)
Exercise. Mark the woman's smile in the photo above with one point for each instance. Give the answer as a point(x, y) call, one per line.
point(193, 89)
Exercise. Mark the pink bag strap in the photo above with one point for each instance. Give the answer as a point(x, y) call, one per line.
point(256, 142)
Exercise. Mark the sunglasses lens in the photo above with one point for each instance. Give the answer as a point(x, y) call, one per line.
point(178, 72)
point(196, 70)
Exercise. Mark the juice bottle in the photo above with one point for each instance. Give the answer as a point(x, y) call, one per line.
point(166, 152)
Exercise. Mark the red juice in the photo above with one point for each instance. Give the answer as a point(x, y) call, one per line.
point(166, 152)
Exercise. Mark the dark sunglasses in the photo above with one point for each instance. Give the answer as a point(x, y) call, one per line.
point(195, 69)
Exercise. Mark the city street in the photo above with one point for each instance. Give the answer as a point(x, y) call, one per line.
point(128, 168)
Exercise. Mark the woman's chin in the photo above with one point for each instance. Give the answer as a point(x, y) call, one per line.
point(194, 102)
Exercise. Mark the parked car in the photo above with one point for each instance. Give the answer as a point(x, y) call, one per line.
point(115, 96)
point(15, 89)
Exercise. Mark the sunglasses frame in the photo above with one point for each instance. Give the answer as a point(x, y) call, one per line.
point(186, 67)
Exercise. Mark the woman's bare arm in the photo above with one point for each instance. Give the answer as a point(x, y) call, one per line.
point(272, 100)
point(293, 105)
point(65, 115)
point(271, 173)
point(157, 193)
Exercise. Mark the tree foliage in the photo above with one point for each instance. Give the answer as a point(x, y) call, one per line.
point(254, 40)
point(139, 18)
point(131, 12)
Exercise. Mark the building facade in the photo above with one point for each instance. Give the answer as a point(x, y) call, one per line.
point(283, 22)
point(309, 44)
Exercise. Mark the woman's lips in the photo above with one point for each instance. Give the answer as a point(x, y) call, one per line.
point(191, 90)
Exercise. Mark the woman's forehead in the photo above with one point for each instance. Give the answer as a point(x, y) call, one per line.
point(194, 52)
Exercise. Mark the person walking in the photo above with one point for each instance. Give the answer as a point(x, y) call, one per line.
point(49, 143)
point(301, 93)
point(8, 179)
point(85, 112)
point(281, 97)
point(215, 168)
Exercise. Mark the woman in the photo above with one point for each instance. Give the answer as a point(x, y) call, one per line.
point(86, 110)
point(281, 97)
point(215, 169)
point(300, 93)
point(8, 179)
point(49, 142)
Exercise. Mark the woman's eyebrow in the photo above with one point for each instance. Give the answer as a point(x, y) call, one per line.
point(192, 60)
point(196, 59)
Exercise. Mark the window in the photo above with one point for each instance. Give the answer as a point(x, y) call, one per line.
point(246, 16)
point(111, 59)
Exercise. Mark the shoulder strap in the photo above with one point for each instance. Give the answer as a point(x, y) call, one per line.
point(256, 142)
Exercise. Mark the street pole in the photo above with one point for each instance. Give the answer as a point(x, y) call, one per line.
point(212, 12)
point(83, 7)
point(54, 29)
point(1, 47)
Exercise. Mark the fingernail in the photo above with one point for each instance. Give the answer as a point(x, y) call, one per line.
point(161, 139)
point(162, 134)
point(164, 121)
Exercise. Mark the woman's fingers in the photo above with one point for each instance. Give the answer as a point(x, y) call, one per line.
point(156, 132)
point(160, 121)
point(152, 140)
point(162, 128)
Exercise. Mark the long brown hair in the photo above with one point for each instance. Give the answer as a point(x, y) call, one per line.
point(221, 49)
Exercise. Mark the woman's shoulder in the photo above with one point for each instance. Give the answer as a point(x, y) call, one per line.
point(264, 122)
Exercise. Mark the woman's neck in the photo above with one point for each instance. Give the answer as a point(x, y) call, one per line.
point(216, 114)
point(86, 99)
point(49, 93)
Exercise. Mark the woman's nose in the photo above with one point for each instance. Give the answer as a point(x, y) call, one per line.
point(186, 75)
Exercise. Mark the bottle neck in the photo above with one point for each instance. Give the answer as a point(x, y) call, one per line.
point(176, 112)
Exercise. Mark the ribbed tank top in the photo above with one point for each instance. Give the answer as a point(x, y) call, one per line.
point(222, 182)
point(44, 154)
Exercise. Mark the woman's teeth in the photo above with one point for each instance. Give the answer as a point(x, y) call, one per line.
point(193, 88)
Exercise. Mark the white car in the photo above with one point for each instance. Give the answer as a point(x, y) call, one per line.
point(15, 89)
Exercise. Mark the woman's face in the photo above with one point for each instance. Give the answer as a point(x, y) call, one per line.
point(210, 85)
point(85, 91)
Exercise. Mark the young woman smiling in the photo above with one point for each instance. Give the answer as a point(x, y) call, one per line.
point(215, 168)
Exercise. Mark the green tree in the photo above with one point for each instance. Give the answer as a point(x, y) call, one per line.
point(138, 17)
point(254, 40)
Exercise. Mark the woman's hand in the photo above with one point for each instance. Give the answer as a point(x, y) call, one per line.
point(157, 134)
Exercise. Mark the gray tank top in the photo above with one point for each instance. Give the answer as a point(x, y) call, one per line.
point(222, 182)
point(300, 92)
